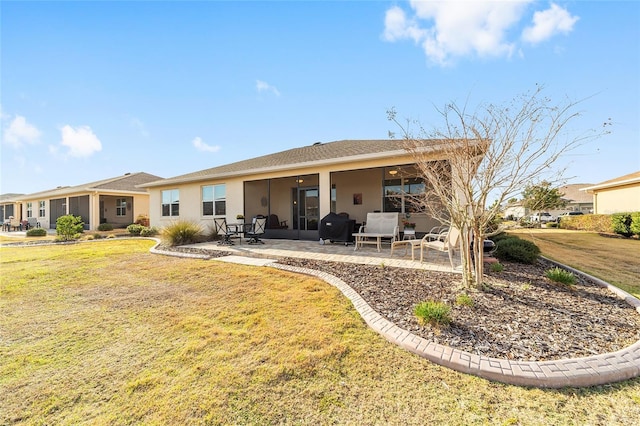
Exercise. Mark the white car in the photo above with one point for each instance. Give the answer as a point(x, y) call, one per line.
point(542, 217)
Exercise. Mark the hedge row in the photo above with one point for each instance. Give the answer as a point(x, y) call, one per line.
point(626, 224)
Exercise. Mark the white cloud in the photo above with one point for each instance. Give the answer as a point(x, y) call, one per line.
point(263, 86)
point(19, 132)
point(201, 146)
point(548, 23)
point(81, 141)
point(452, 29)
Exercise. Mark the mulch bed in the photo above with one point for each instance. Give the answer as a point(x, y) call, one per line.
point(519, 315)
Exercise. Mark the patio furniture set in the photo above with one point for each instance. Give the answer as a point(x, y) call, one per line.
point(13, 224)
point(251, 231)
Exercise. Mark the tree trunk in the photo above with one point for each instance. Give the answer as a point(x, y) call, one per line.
point(478, 257)
point(465, 257)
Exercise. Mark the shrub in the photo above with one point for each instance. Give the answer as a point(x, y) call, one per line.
point(182, 232)
point(105, 227)
point(143, 220)
point(622, 223)
point(560, 275)
point(517, 250)
point(635, 223)
point(36, 232)
point(69, 227)
point(497, 267)
point(501, 236)
point(588, 222)
point(432, 312)
point(148, 232)
point(135, 229)
point(551, 225)
point(464, 300)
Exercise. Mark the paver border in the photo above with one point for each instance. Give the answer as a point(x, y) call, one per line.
point(575, 372)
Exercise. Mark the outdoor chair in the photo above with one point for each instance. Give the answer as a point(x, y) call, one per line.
point(276, 223)
point(448, 244)
point(258, 225)
point(15, 224)
point(32, 222)
point(223, 230)
point(437, 233)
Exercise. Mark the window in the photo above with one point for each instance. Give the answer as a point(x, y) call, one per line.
point(121, 206)
point(171, 202)
point(42, 212)
point(214, 200)
point(399, 191)
point(29, 209)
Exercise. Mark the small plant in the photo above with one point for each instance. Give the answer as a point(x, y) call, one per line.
point(148, 232)
point(142, 219)
point(464, 300)
point(111, 236)
point(560, 275)
point(433, 313)
point(69, 227)
point(240, 216)
point(36, 232)
point(135, 229)
point(497, 267)
point(408, 225)
point(105, 227)
point(517, 250)
point(182, 232)
point(526, 286)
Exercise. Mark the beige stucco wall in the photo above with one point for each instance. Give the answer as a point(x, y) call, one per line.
point(617, 200)
point(363, 177)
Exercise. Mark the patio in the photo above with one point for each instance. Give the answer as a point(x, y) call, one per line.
point(278, 248)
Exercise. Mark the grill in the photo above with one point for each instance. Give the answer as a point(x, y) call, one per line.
point(335, 227)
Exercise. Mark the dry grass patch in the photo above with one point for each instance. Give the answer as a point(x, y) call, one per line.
point(614, 260)
point(106, 333)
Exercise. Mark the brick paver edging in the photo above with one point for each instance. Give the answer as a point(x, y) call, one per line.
point(577, 372)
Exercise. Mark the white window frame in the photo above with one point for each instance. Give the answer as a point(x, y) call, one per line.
point(170, 202)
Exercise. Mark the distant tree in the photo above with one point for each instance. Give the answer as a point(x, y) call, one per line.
point(493, 152)
point(541, 197)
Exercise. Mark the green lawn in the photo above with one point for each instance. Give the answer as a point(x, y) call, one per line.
point(615, 260)
point(106, 333)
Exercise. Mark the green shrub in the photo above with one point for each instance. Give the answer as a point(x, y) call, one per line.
point(432, 312)
point(517, 250)
point(560, 275)
point(135, 229)
point(496, 267)
point(36, 232)
point(182, 232)
point(143, 220)
point(69, 227)
point(149, 232)
point(635, 223)
point(622, 223)
point(105, 227)
point(551, 225)
point(501, 236)
point(464, 300)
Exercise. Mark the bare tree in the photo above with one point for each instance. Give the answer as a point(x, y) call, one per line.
point(493, 152)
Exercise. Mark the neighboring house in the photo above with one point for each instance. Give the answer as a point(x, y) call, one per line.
point(10, 206)
point(300, 186)
point(515, 211)
point(617, 195)
point(117, 201)
point(576, 200)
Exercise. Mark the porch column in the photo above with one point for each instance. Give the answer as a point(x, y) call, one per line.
point(324, 186)
point(94, 211)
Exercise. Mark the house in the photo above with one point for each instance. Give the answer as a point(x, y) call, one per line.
point(9, 206)
point(575, 199)
point(299, 186)
point(618, 195)
point(117, 201)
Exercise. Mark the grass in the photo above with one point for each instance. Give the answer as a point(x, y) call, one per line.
point(106, 333)
point(614, 260)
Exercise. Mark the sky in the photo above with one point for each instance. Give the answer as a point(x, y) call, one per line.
point(91, 90)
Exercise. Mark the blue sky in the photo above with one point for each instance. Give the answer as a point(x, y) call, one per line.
point(92, 90)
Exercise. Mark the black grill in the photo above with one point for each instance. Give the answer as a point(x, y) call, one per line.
point(335, 227)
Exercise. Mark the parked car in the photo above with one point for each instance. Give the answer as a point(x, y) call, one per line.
point(567, 214)
point(542, 217)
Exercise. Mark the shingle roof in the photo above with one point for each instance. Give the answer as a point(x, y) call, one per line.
point(318, 153)
point(622, 180)
point(573, 194)
point(128, 182)
point(8, 198)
